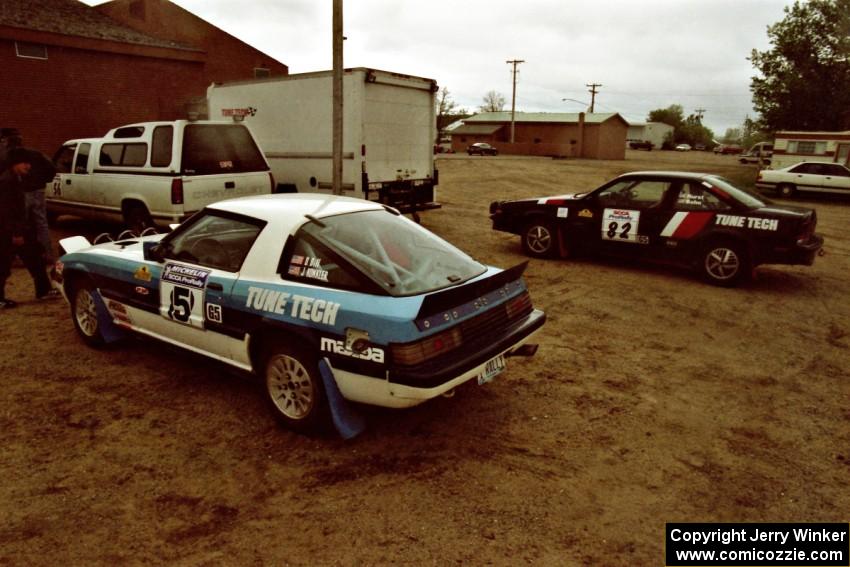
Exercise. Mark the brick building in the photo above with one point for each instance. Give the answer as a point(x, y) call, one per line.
point(69, 70)
point(598, 136)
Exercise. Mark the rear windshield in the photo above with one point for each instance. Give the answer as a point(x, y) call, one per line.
point(220, 148)
point(399, 255)
point(744, 197)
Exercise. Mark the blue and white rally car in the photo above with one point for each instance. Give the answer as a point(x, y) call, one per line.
point(296, 288)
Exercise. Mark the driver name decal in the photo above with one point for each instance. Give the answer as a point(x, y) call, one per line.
point(748, 222)
point(307, 267)
point(183, 275)
point(294, 305)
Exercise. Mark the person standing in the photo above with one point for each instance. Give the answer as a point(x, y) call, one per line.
point(17, 232)
point(41, 172)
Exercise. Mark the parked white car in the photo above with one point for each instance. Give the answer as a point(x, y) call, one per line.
point(156, 173)
point(807, 176)
point(683, 148)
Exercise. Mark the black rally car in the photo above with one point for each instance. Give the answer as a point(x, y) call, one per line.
point(695, 219)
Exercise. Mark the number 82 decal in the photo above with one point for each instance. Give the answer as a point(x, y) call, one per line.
point(621, 226)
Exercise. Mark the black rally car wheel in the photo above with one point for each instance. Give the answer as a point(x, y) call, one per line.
point(725, 263)
point(539, 238)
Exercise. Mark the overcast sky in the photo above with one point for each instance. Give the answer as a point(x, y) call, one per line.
point(646, 54)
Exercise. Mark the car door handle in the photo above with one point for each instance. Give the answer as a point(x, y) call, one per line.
point(215, 286)
point(229, 184)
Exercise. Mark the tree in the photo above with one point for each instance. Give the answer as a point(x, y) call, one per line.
point(445, 104)
point(685, 130)
point(804, 77)
point(493, 102)
point(674, 115)
point(732, 136)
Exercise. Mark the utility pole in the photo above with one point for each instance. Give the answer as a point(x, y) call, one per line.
point(513, 62)
point(337, 97)
point(592, 92)
point(700, 112)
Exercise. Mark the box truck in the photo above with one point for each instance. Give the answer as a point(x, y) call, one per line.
point(389, 128)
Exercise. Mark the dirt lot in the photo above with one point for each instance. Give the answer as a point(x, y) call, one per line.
point(653, 398)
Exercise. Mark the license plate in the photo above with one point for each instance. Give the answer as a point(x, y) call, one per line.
point(494, 367)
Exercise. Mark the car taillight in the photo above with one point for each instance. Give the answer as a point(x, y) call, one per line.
point(758, 177)
point(808, 229)
point(271, 180)
point(177, 191)
point(519, 305)
point(415, 353)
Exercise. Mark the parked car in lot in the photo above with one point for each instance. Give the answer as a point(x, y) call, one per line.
point(641, 145)
point(683, 148)
point(693, 219)
point(481, 149)
point(759, 153)
point(807, 176)
point(725, 149)
point(156, 173)
point(305, 288)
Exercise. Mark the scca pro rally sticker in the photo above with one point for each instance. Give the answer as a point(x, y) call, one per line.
point(620, 225)
point(181, 294)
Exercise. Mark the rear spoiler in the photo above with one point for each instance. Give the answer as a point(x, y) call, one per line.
point(444, 300)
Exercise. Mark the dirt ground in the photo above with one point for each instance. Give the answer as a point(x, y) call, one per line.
point(653, 398)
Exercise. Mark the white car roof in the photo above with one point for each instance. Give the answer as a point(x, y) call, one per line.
point(292, 208)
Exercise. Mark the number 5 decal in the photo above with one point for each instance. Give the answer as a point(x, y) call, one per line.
point(182, 302)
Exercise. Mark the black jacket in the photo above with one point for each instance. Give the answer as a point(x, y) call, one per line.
point(12, 205)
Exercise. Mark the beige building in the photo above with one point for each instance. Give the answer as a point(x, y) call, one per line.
point(592, 135)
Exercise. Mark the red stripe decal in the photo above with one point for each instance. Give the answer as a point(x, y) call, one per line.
point(692, 225)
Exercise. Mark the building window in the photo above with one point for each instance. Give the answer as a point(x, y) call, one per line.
point(261, 72)
point(809, 148)
point(31, 50)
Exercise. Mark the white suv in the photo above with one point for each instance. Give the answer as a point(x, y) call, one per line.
point(156, 173)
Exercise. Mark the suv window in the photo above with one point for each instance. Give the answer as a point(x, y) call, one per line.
point(81, 165)
point(215, 241)
point(133, 155)
point(220, 148)
point(64, 158)
point(163, 138)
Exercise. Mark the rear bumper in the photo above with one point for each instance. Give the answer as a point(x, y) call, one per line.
point(468, 358)
point(803, 254)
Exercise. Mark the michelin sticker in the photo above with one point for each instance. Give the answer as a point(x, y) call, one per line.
point(620, 225)
point(293, 305)
point(181, 294)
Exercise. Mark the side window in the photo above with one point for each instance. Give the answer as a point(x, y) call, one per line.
point(133, 155)
point(697, 197)
point(214, 241)
point(64, 158)
point(307, 260)
point(82, 163)
point(163, 137)
point(637, 194)
point(835, 171)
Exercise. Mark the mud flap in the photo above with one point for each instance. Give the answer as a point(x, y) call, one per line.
point(109, 330)
point(346, 420)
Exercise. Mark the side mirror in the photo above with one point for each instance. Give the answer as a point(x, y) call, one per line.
point(153, 252)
